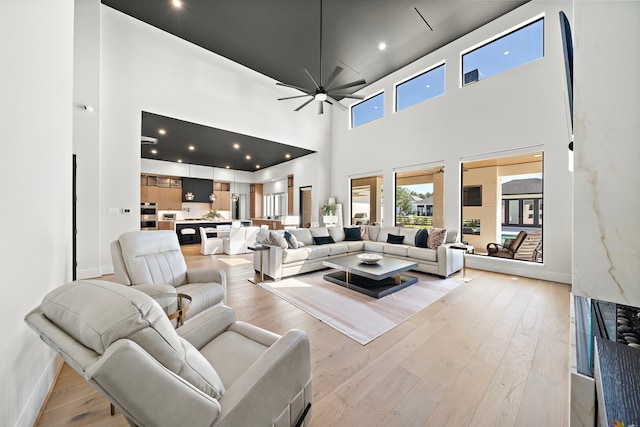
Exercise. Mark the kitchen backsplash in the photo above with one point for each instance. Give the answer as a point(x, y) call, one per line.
point(193, 211)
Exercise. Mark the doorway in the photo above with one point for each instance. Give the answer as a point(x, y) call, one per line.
point(306, 201)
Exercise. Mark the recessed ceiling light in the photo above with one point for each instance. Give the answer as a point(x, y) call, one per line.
point(288, 156)
point(162, 131)
point(382, 46)
point(248, 157)
point(154, 151)
point(236, 145)
point(177, 3)
point(257, 166)
point(191, 147)
point(227, 166)
point(179, 160)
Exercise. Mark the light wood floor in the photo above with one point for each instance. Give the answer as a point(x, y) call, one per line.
point(494, 352)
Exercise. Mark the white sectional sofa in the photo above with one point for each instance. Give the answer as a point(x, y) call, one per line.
point(279, 262)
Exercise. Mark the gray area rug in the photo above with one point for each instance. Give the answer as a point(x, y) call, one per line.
point(358, 316)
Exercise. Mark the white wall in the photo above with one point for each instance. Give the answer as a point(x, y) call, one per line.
point(145, 69)
point(607, 177)
point(506, 113)
point(36, 40)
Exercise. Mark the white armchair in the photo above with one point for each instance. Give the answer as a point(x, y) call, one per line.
point(240, 239)
point(213, 372)
point(148, 260)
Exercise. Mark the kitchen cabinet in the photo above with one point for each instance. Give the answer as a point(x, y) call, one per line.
point(148, 189)
point(255, 200)
point(223, 196)
point(165, 225)
point(169, 199)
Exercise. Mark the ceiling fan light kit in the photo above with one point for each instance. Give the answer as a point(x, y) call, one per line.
point(323, 91)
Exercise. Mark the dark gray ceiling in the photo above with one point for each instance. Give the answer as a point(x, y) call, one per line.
point(279, 37)
point(211, 146)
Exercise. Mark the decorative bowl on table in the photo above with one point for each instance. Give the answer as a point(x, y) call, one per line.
point(369, 258)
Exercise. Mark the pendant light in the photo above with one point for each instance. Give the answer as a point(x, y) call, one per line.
point(234, 196)
point(212, 196)
point(189, 195)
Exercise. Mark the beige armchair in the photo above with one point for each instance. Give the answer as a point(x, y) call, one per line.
point(214, 371)
point(152, 262)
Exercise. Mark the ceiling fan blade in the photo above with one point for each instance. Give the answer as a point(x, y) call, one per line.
point(320, 109)
point(292, 97)
point(348, 85)
point(302, 89)
point(332, 101)
point(308, 75)
point(304, 105)
point(347, 95)
point(334, 75)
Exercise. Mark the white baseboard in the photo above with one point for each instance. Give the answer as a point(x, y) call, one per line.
point(39, 396)
point(517, 268)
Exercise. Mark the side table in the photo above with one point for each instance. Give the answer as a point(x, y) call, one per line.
point(259, 248)
point(468, 249)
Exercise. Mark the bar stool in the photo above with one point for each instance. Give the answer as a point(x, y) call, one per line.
point(187, 235)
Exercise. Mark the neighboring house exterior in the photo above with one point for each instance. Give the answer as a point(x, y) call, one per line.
point(424, 207)
point(522, 203)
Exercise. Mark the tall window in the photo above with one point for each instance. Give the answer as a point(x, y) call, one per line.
point(516, 48)
point(420, 88)
point(419, 198)
point(366, 200)
point(510, 199)
point(275, 205)
point(368, 110)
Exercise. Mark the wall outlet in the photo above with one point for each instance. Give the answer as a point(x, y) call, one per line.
point(125, 210)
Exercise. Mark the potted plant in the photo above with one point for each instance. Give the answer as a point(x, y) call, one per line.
point(212, 214)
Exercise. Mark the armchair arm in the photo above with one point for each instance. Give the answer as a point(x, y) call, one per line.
point(152, 290)
point(209, 276)
point(162, 399)
point(270, 384)
point(200, 330)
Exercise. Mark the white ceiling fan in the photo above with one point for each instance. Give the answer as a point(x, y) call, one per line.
point(323, 91)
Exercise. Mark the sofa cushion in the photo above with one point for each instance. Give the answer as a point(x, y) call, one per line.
point(352, 234)
point(338, 249)
point(409, 235)
point(384, 233)
point(421, 238)
point(294, 255)
point(291, 240)
point(319, 231)
point(423, 254)
point(76, 308)
point(323, 240)
point(395, 239)
point(370, 246)
point(317, 251)
point(262, 236)
point(303, 235)
point(336, 233)
point(372, 232)
point(277, 239)
point(357, 246)
point(396, 249)
point(437, 237)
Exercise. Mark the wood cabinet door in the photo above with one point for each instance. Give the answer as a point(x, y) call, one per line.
point(149, 194)
point(169, 198)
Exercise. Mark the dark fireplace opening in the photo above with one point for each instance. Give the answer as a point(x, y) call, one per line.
point(607, 320)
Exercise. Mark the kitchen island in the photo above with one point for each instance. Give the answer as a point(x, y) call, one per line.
point(195, 224)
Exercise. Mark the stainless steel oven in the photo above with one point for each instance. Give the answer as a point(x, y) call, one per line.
point(148, 216)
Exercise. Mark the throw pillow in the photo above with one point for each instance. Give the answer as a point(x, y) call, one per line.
point(291, 240)
point(421, 238)
point(436, 237)
point(352, 233)
point(277, 239)
point(395, 239)
point(323, 240)
point(262, 236)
